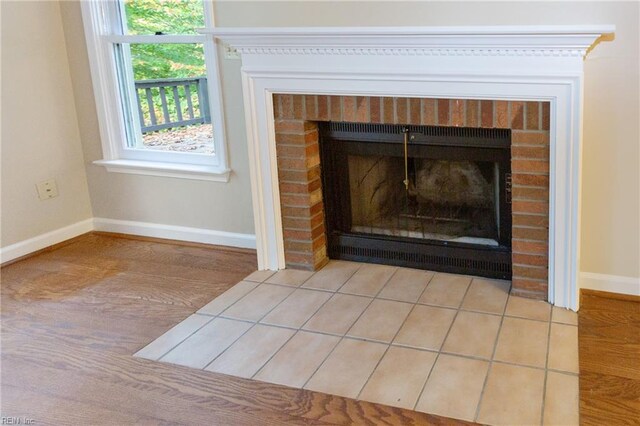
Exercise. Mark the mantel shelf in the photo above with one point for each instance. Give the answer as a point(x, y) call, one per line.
point(498, 40)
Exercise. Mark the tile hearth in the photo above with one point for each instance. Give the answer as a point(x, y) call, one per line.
point(450, 345)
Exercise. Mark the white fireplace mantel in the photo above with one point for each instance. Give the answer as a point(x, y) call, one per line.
point(543, 63)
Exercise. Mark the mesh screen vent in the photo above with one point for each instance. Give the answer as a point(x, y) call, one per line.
point(439, 131)
point(426, 261)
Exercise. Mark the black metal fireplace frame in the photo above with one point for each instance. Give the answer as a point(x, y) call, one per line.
point(338, 139)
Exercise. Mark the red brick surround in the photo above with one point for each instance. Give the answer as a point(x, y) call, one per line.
point(298, 155)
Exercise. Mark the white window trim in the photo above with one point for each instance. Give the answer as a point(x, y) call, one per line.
point(98, 18)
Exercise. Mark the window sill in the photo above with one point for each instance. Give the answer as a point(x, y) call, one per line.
point(180, 171)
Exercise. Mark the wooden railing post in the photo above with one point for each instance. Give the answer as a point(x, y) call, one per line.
point(203, 100)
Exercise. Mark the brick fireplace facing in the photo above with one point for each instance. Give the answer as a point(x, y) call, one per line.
point(299, 171)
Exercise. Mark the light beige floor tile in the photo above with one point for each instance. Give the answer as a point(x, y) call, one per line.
point(292, 277)
point(332, 276)
point(173, 337)
point(512, 396)
point(250, 352)
point(368, 280)
point(298, 359)
point(296, 309)
point(487, 296)
point(528, 308)
point(228, 298)
point(207, 343)
point(473, 334)
point(454, 387)
point(257, 303)
point(399, 378)
point(563, 348)
point(347, 369)
point(446, 290)
point(562, 402)
point(564, 316)
point(381, 320)
point(338, 314)
point(523, 341)
point(426, 327)
point(406, 285)
point(259, 276)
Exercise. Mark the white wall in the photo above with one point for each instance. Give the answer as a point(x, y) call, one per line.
point(40, 138)
point(181, 202)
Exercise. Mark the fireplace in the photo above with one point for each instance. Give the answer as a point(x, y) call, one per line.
point(512, 65)
point(468, 145)
point(430, 197)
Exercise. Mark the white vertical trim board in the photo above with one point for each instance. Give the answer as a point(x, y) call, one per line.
point(610, 283)
point(173, 232)
point(45, 240)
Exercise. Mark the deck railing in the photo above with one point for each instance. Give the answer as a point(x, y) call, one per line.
point(166, 103)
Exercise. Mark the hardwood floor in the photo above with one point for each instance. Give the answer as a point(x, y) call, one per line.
point(609, 343)
point(72, 317)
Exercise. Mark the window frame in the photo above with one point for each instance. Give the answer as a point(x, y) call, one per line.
point(103, 30)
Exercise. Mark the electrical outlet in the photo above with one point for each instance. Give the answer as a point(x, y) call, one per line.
point(47, 189)
point(231, 52)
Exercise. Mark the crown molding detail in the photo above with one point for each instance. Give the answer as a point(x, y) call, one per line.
point(410, 51)
point(543, 63)
point(426, 41)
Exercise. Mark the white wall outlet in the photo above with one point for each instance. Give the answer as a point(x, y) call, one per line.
point(47, 189)
point(231, 52)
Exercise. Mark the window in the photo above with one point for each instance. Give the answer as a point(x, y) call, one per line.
point(157, 87)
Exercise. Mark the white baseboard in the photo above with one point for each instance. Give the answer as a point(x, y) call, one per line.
point(610, 283)
point(145, 229)
point(172, 232)
point(45, 240)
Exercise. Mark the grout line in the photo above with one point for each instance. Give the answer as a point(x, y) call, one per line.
point(227, 348)
point(210, 315)
point(294, 288)
point(491, 361)
point(179, 343)
point(397, 331)
point(546, 368)
point(321, 363)
point(345, 334)
point(337, 290)
point(340, 338)
point(255, 323)
point(264, 315)
point(389, 344)
point(383, 355)
point(372, 299)
point(239, 299)
point(273, 354)
point(424, 386)
point(327, 301)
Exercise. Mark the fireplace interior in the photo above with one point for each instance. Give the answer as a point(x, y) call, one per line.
point(429, 197)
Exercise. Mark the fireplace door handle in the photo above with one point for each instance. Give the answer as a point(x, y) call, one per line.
point(406, 158)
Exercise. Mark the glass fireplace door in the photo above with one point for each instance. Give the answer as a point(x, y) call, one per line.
point(421, 196)
point(443, 200)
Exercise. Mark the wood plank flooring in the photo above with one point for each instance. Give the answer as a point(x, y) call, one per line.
point(609, 343)
point(72, 317)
